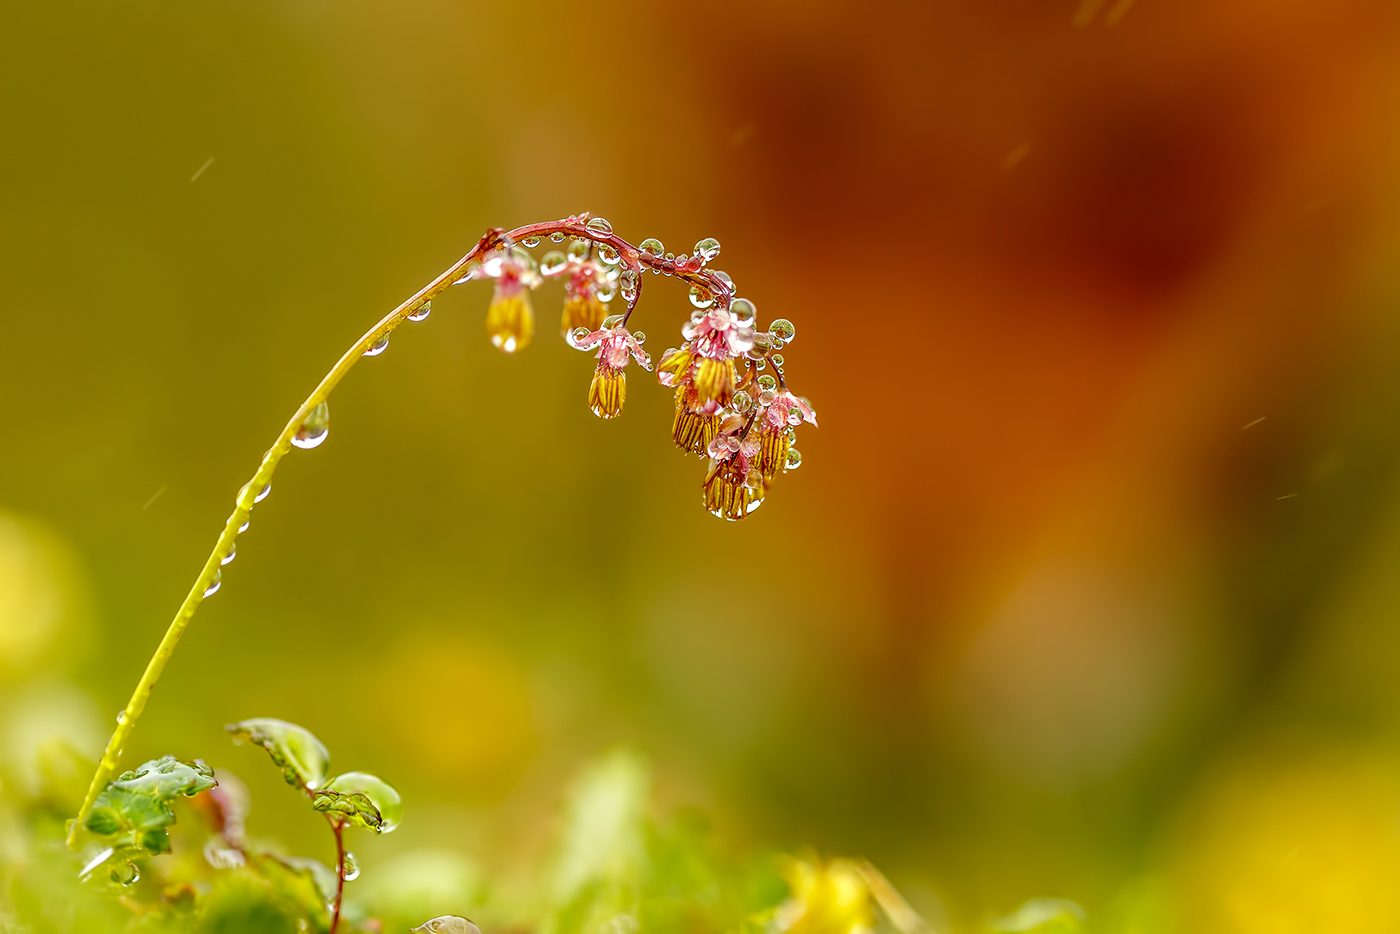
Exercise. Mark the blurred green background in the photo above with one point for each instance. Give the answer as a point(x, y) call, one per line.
point(1087, 586)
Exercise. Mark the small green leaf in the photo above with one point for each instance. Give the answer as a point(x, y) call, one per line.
point(302, 757)
point(1043, 916)
point(136, 807)
point(362, 799)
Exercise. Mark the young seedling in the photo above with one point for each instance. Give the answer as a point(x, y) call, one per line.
point(354, 799)
point(733, 404)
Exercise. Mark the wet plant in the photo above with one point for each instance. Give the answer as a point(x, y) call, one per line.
point(733, 406)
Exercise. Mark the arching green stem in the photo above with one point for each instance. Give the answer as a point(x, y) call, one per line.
point(629, 256)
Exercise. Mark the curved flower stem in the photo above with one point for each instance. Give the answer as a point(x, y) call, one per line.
point(629, 256)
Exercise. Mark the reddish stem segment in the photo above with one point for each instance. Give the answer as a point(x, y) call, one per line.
point(339, 829)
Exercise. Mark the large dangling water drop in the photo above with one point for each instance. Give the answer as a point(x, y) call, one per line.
point(609, 256)
point(213, 587)
point(557, 237)
point(378, 346)
point(264, 493)
point(599, 225)
point(352, 868)
point(707, 249)
point(422, 311)
point(232, 553)
point(777, 359)
point(767, 383)
point(531, 242)
point(315, 429)
point(651, 245)
point(794, 459)
point(742, 310)
point(701, 298)
point(553, 263)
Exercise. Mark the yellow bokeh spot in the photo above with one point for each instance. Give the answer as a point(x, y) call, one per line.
point(462, 711)
point(1287, 847)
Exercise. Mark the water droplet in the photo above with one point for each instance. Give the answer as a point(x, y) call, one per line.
point(707, 249)
point(754, 480)
point(669, 257)
point(697, 316)
point(612, 321)
point(553, 263)
point(767, 383)
point(213, 587)
point(121, 716)
point(701, 298)
point(244, 527)
point(777, 359)
point(609, 256)
point(760, 365)
point(263, 493)
point(531, 242)
point(378, 346)
point(794, 459)
point(682, 260)
point(607, 294)
point(352, 868)
point(315, 429)
point(578, 250)
point(577, 336)
point(743, 311)
point(651, 245)
point(422, 311)
point(232, 553)
point(557, 237)
point(766, 397)
point(742, 401)
point(783, 330)
point(599, 225)
point(470, 273)
point(639, 336)
point(723, 277)
point(125, 874)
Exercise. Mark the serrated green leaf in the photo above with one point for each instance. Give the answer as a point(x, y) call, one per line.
point(303, 759)
point(134, 810)
point(363, 799)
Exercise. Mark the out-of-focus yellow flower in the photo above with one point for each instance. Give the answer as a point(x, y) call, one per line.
point(583, 311)
point(510, 320)
point(827, 898)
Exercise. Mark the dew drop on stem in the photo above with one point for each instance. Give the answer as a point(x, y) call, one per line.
point(232, 553)
point(530, 241)
point(352, 868)
point(422, 311)
point(213, 587)
point(652, 245)
point(599, 225)
point(783, 330)
point(701, 298)
point(244, 527)
point(378, 346)
point(557, 237)
point(794, 459)
point(263, 493)
point(707, 249)
point(553, 263)
point(315, 429)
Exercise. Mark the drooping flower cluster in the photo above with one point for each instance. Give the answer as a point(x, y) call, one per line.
point(728, 409)
point(743, 420)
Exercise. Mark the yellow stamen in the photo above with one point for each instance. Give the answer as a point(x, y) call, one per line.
point(607, 392)
point(510, 321)
point(690, 430)
point(675, 366)
point(772, 452)
point(714, 381)
point(728, 495)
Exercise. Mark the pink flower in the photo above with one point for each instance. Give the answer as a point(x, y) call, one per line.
point(608, 390)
